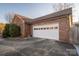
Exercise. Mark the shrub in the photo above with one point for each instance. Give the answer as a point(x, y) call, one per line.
point(11, 30)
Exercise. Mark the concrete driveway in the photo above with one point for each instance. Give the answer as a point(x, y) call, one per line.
point(36, 47)
point(1, 39)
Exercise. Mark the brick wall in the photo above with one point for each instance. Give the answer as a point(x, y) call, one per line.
point(64, 26)
point(21, 24)
point(25, 26)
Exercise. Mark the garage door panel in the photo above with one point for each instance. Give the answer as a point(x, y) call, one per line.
point(48, 33)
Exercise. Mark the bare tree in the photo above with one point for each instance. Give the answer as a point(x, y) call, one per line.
point(61, 6)
point(9, 17)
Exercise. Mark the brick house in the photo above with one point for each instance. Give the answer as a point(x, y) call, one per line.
point(24, 23)
point(54, 26)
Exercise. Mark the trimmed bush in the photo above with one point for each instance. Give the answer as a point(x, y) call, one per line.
point(11, 30)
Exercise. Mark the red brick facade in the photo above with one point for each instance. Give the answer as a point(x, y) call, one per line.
point(23, 23)
point(61, 17)
point(64, 26)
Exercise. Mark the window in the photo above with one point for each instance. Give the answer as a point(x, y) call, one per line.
point(38, 28)
point(55, 27)
point(34, 28)
point(44, 28)
point(41, 28)
point(51, 27)
point(47, 28)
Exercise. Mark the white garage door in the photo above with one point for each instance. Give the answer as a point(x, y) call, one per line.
point(49, 31)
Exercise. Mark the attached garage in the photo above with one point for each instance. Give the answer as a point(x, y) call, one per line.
point(55, 26)
point(49, 31)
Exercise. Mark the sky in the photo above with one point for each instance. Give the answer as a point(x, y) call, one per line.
point(32, 10)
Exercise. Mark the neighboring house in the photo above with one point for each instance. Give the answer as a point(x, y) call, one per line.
point(54, 26)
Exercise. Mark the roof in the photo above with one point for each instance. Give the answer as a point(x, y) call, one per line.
point(26, 19)
point(59, 13)
point(55, 14)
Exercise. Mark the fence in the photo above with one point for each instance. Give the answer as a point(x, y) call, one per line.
point(75, 33)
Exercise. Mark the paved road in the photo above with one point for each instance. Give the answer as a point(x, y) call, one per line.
point(36, 47)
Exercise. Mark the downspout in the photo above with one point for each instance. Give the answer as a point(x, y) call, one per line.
point(70, 26)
